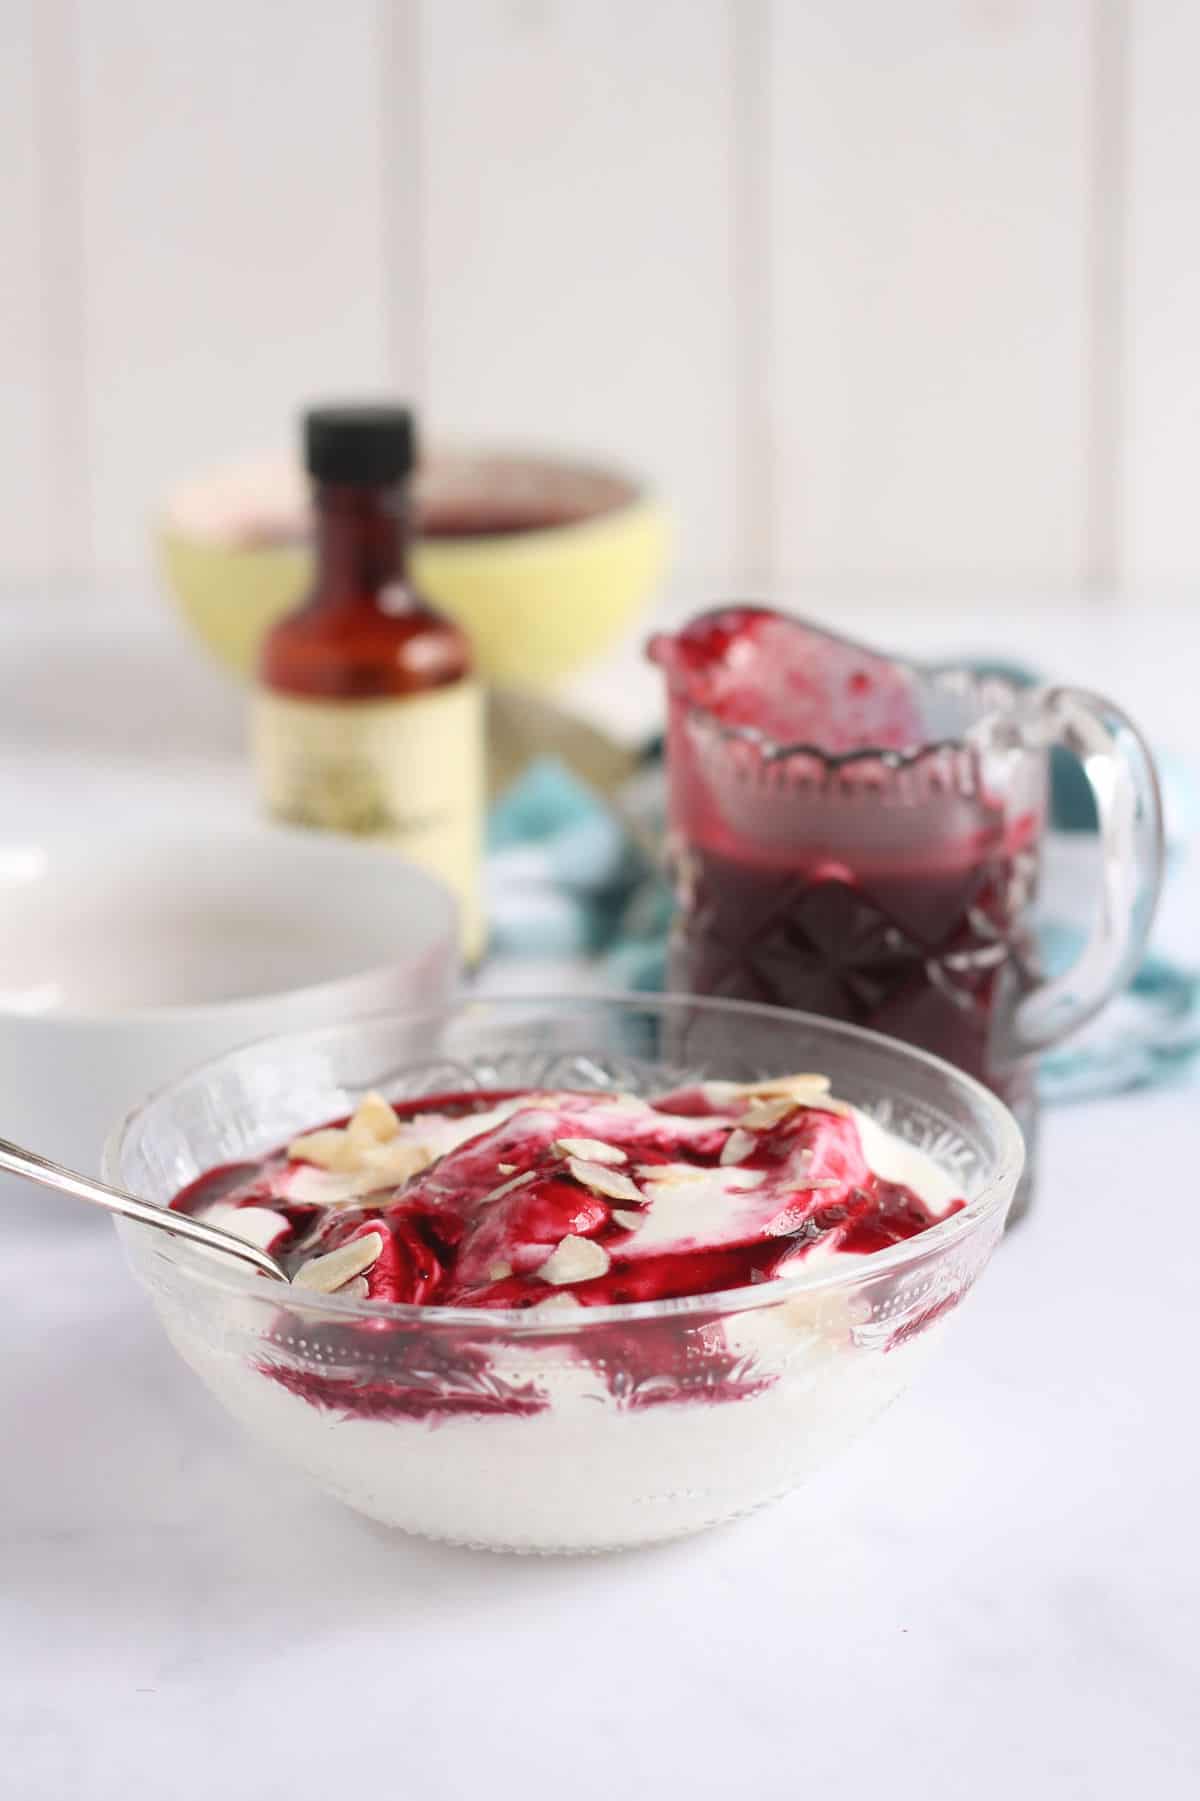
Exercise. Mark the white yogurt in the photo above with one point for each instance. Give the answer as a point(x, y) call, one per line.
point(589, 1472)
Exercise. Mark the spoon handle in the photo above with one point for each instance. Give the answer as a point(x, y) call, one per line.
point(20, 1162)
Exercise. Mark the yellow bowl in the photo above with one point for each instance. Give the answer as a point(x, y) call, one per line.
point(537, 602)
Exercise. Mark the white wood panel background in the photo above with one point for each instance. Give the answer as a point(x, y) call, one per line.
point(231, 175)
point(26, 462)
point(880, 295)
point(929, 311)
point(1161, 443)
point(578, 211)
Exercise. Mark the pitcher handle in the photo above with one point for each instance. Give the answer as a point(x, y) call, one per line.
point(1120, 771)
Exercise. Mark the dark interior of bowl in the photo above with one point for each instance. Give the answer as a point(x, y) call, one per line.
point(495, 495)
point(458, 496)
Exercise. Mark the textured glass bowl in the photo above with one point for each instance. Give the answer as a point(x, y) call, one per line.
point(496, 1429)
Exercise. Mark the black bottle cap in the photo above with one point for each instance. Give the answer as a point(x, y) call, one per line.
point(359, 443)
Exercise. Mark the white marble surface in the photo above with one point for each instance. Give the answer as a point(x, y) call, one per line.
point(995, 1593)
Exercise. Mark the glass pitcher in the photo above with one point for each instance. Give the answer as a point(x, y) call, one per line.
point(860, 837)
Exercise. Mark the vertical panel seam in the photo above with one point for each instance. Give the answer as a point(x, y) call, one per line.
point(1106, 239)
point(400, 100)
point(63, 284)
point(750, 283)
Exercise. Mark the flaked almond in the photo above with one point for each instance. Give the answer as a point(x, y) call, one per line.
point(356, 1290)
point(499, 1272)
point(507, 1169)
point(799, 1087)
point(670, 1174)
point(308, 1186)
point(395, 1162)
point(593, 1150)
point(331, 1188)
point(575, 1259)
point(609, 1182)
point(625, 1216)
point(375, 1121)
point(739, 1144)
point(760, 1116)
point(325, 1275)
point(327, 1148)
point(807, 1083)
point(497, 1194)
point(805, 1091)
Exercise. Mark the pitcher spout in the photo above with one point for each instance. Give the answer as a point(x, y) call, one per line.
point(789, 682)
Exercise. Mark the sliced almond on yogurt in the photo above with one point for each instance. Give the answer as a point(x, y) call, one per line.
point(760, 1116)
point(396, 1161)
point(356, 1290)
point(327, 1148)
point(369, 1142)
point(669, 1175)
point(310, 1186)
point(803, 1090)
point(497, 1194)
point(625, 1216)
point(805, 1083)
point(593, 1150)
point(499, 1272)
point(601, 1180)
point(575, 1259)
point(375, 1121)
point(384, 1166)
point(829, 1103)
point(328, 1273)
point(739, 1144)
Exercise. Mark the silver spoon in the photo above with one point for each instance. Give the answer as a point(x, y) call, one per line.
point(19, 1162)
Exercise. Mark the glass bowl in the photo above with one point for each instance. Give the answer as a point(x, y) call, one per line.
point(617, 1427)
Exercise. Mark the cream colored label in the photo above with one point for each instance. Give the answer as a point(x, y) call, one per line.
point(406, 772)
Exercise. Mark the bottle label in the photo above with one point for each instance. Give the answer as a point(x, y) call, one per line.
point(408, 773)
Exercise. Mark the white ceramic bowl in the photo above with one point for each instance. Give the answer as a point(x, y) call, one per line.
point(126, 959)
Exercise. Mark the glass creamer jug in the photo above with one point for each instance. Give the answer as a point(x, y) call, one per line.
point(859, 837)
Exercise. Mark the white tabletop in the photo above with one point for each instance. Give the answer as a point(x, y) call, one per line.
point(995, 1593)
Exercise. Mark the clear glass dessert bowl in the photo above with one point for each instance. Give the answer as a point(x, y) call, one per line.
point(603, 1427)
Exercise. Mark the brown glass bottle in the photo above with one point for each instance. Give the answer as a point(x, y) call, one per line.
point(367, 717)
